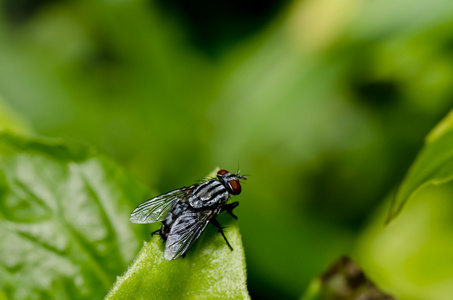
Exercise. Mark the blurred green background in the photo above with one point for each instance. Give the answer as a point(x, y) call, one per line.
point(323, 104)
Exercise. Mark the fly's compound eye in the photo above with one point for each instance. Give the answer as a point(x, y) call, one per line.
point(235, 187)
point(222, 172)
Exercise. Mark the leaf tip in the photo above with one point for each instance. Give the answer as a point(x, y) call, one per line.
point(443, 126)
point(390, 217)
point(394, 210)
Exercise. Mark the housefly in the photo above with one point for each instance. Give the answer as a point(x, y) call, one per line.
point(186, 212)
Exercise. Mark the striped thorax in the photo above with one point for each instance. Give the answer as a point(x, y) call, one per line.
point(216, 191)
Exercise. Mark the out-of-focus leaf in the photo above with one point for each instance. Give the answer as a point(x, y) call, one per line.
point(64, 220)
point(433, 165)
point(10, 120)
point(210, 270)
point(411, 257)
point(344, 280)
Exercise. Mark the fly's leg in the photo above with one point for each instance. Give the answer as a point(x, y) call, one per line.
point(219, 227)
point(229, 208)
point(161, 232)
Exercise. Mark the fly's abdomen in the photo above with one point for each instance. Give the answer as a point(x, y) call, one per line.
point(171, 217)
point(210, 193)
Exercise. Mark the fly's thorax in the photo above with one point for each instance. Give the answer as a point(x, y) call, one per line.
point(209, 193)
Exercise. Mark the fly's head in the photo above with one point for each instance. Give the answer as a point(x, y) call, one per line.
point(230, 181)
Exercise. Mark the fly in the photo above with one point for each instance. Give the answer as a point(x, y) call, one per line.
point(186, 212)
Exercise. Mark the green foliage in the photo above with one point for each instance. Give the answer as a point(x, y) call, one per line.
point(64, 221)
point(65, 231)
point(433, 166)
point(210, 270)
point(411, 257)
point(326, 107)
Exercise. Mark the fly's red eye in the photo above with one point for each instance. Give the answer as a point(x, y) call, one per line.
point(235, 186)
point(222, 172)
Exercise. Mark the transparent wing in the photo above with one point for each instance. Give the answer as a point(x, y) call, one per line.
point(185, 232)
point(155, 209)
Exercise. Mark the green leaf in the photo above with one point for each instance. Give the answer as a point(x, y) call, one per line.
point(210, 270)
point(64, 220)
point(433, 165)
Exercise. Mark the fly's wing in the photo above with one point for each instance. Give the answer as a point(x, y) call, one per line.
point(185, 232)
point(155, 209)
